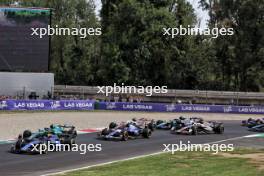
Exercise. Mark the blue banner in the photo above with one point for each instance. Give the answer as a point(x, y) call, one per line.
point(46, 105)
point(120, 106)
point(162, 107)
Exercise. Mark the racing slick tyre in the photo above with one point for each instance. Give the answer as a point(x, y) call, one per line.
point(219, 129)
point(151, 126)
point(146, 133)
point(125, 136)
point(26, 134)
point(194, 130)
point(104, 131)
point(71, 142)
point(73, 132)
point(16, 148)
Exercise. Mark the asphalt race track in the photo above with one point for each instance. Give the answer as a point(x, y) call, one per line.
point(28, 164)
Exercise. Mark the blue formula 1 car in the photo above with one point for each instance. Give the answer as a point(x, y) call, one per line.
point(252, 122)
point(55, 135)
point(34, 142)
point(257, 128)
point(124, 131)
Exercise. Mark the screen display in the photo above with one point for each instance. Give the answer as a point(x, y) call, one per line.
point(19, 50)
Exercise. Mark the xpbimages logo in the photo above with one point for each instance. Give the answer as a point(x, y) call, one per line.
point(214, 32)
point(51, 147)
point(148, 90)
point(82, 32)
point(182, 147)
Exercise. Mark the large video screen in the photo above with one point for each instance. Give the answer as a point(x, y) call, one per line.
point(19, 50)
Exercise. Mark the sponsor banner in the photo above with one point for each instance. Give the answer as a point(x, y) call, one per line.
point(119, 106)
point(46, 105)
point(162, 107)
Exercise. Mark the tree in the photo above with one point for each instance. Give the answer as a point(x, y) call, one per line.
point(134, 49)
point(73, 59)
point(240, 57)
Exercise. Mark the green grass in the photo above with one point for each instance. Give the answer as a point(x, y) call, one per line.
point(179, 164)
point(247, 150)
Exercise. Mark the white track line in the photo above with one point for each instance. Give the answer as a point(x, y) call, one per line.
point(136, 157)
point(102, 164)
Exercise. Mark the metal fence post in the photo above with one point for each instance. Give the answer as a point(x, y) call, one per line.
point(24, 92)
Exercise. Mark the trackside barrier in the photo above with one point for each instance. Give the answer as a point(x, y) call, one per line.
point(160, 107)
point(46, 105)
point(119, 106)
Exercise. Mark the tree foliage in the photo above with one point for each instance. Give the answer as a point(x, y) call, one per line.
point(240, 58)
point(134, 51)
point(73, 59)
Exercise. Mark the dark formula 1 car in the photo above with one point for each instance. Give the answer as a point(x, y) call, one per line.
point(257, 128)
point(167, 125)
point(66, 133)
point(32, 142)
point(56, 134)
point(252, 122)
point(142, 122)
point(124, 131)
point(177, 124)
point(163, 124)
point(201, 128)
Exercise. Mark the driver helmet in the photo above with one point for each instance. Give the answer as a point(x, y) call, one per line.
point(182, 118)
point(201, 120)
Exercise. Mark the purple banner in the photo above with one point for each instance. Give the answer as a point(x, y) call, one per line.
point(161, 107)
point(119, 106)
point(46, 105)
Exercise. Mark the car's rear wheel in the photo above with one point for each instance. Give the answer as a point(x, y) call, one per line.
point(194, 130)
point(151, 126)
point(146, 133)
point(104, 131)
point(219, 129)
point(125, 136)
point(17, 147)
